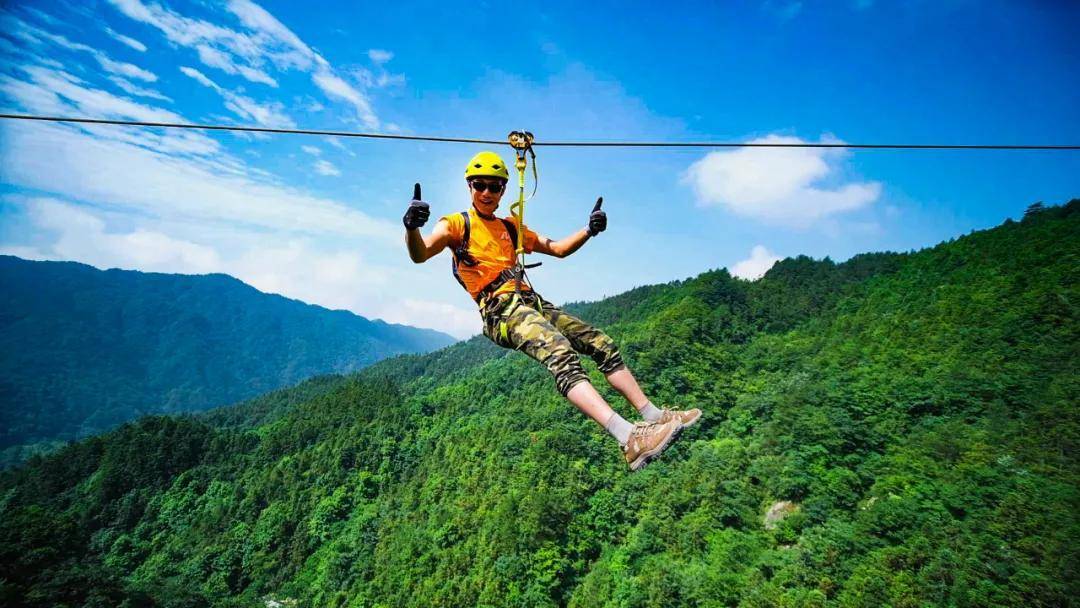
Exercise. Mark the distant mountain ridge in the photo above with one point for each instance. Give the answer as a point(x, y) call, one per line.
point(83, 350)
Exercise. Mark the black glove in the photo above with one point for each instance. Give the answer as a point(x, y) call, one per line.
point(597, 219)
point(417, 213)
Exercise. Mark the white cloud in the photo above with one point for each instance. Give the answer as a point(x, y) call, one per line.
point(334, 86)
point(381, 80)
point(48, 89)
point(379, 56)
point(42, 15)
point(33, 35)
point(299, 268)
point(125, 69)
point(267, 114)
point(211, 189)
point(133, 89)
point(199, 77)
point(80, 235)
point(255, 75)
point(759, 262)
point(267, 41)
point(788, 186)
point(336, 142)
point(312, 150)
point(178, 175)
point(56, 92)
point(224, 48)
point(455, 320)
point(270, 114)
point(129, 41)
point(255, 17)
point(325, 167)
point(217, 59)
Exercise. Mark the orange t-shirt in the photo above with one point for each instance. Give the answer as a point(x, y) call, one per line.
point(490, 246)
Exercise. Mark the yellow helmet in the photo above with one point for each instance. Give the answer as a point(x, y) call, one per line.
point(487, 164)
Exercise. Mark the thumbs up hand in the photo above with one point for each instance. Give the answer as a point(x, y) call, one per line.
point(417, 213)
point(597, 219)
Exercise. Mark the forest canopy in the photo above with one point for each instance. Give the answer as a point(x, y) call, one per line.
point(908, 422)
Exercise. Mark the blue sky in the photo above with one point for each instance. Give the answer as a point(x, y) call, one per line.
point(319, 219)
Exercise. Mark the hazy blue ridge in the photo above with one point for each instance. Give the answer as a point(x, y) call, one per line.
point(83, 350)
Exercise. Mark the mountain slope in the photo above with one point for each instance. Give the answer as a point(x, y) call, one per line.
point(83, 350)
point(917, 412)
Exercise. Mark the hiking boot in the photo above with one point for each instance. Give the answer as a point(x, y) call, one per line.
point(685, 417)
point(647, 440)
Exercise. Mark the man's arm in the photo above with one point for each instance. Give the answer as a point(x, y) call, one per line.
point(422, 248)
point(562, 247)
point(570, 244)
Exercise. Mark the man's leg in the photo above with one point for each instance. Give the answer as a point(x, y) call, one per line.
point(598, 345)
point(531, 333)
point(584, 396)
point(623, 381)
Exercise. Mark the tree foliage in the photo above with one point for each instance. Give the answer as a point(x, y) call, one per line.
point(917, 410)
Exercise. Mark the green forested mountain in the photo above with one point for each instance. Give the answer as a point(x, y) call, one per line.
point(913, 415)
point(83, 350)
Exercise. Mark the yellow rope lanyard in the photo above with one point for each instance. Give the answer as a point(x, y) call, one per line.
point(522, 142)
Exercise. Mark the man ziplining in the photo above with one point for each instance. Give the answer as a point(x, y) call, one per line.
point(515, 316)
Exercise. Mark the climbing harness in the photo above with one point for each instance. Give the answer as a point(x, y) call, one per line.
point(522, 142)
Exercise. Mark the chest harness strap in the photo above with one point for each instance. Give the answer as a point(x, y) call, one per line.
point(461, 255)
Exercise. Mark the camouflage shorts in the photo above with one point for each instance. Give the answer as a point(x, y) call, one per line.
point(550, 336)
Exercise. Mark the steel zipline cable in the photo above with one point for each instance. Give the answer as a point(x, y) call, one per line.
point(564, 144)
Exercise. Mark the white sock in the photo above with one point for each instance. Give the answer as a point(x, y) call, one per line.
point(649, 411)
point(619, 428)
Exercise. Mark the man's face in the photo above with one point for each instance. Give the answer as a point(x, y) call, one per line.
point(486, 201)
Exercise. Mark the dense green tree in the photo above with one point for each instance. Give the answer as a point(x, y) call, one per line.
point(913, 416)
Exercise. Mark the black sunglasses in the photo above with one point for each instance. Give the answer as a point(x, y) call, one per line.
point(495, 187)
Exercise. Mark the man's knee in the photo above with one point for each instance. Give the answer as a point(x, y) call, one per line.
point(605, 353)
point(568, 372)
point(589, 340)
point(543, 342)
